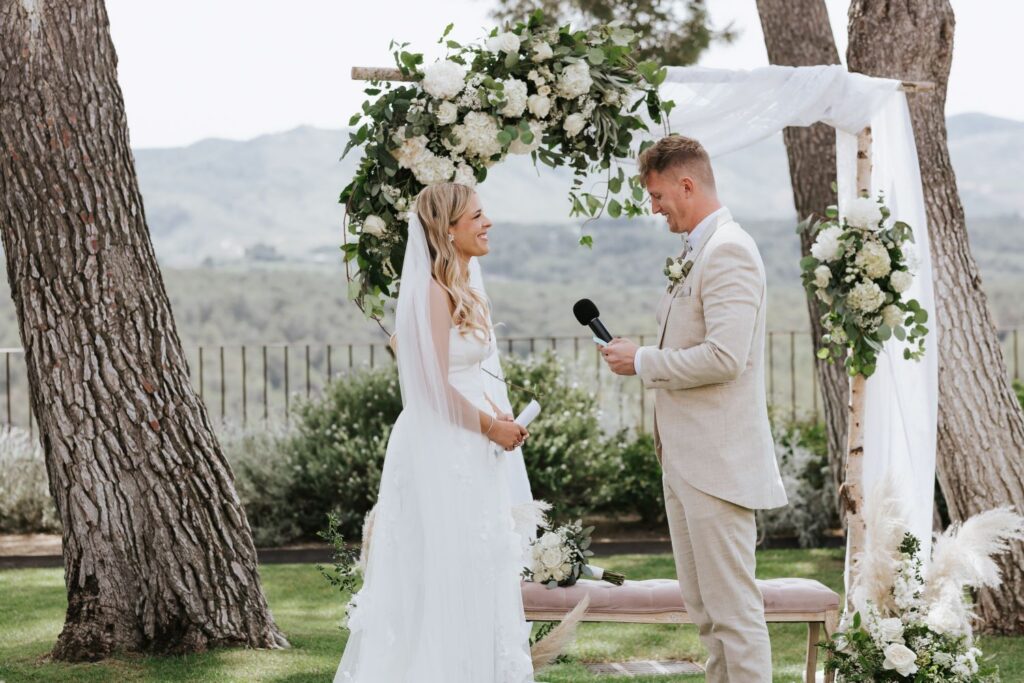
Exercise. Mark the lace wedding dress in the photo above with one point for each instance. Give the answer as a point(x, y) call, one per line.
point(441, 600)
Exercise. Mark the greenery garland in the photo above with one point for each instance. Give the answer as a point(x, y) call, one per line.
point(566, 97)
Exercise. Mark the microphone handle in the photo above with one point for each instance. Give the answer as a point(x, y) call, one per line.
point(599, 330)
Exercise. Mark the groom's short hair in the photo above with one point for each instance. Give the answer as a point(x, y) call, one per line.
point(677, 152)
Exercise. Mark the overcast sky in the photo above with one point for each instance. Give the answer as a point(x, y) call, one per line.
point(193, 69)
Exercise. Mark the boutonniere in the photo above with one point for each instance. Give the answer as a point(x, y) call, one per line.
point(676, 270)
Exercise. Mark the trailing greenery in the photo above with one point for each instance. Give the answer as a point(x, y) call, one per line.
point(565, 97)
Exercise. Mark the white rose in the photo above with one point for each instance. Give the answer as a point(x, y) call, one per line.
point(575, 80)
point(827, 246)
point(464, 175)
point(504, 42)
point(864, 213)
point(444, 79)
point(374, 225)
point(552, 557)
point(515, 98)
point(520, 147)
point(675, 270)
point(551, 540)
point(865, 296)
point(901, 658)
point(873, 259)
point(901, 281)
point(542, 52)
point(822, 276)
point(892, 316)
point(611, 97)
point(539, 105)
point(544, 90)
point(891, 630)
point(447, 113)
point(574, 123)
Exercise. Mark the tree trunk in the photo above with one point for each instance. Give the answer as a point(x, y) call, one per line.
point(798, 33)
point(158, 554)
point(981, 427)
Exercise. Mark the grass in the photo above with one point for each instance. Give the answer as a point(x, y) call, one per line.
point(32, 610)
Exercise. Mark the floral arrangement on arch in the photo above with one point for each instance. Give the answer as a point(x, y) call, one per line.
point(563, 96)
point(860, 267)
point(914, 621)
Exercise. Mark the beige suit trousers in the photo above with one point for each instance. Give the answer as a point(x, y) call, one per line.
point(713, 541)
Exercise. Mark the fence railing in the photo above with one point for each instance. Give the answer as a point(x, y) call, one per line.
point(260, 384)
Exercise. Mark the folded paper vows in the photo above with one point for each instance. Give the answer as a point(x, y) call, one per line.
point(529, 412)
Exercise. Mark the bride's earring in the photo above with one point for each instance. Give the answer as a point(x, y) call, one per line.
point(451, 237)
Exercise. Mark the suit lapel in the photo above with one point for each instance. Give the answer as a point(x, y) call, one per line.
point(666, 300)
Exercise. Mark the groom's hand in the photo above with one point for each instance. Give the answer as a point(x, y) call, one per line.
point(620, 354)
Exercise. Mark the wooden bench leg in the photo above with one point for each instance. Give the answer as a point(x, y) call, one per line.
point(813, 629)
point(831, 625)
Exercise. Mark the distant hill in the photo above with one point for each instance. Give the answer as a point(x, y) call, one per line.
point(275, 196)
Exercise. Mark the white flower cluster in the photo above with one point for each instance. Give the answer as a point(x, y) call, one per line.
point(428, 167)
point(478, 135)
point(827, 246)
point(864, 213)
point(575, 80)
point(444, 79)
point(515, 97)
point(551, 559)
point(865, 297)
point(504, 42)
point(873, 259)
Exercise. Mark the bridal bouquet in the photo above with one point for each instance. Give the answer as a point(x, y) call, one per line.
point(559, 558)
point(913, 625)
point(860, 267)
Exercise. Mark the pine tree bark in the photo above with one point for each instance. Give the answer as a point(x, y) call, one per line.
point(798, 33)
point(981, 427)
point(158, 554)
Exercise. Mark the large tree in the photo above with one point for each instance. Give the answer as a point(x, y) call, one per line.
point(158, 555)
point(798, 33)
point(668, 32)
point(981, 427)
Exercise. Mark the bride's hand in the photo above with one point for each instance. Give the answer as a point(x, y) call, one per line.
point(504, 417)
point(507, 434)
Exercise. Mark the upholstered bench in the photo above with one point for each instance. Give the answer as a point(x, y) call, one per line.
point(659, 601)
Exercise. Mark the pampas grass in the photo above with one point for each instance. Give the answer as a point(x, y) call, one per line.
point(547, 649)
point(884, 516)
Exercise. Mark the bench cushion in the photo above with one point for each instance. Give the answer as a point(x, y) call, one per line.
point(654, 596)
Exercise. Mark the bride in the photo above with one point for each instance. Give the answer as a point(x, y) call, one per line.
point(441, 600)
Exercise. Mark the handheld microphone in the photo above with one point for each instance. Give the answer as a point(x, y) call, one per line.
point(587, 314)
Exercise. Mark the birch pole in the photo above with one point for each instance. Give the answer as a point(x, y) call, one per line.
point(852, 491)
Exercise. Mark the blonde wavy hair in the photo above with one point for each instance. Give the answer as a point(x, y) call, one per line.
point(439, 207)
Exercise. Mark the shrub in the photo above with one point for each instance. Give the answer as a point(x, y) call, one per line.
point(803, 463)
point(631, 479)
point(567, 451)
point(25, 502)
point(1018, 387)
point(263, 480)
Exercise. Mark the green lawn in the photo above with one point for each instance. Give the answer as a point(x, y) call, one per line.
point(32, 610)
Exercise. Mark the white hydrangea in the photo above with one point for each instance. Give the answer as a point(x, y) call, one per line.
point(901, 280)
point(892, 316)
point(447, 113)
point(539, 105)
point(444, 79)
point(431, 169)
point(504, 42)
point(827, 246)
point(515, 98)
point(822, 276)
point(478, 135)
point(873, 259)
point(864, 213)
point(411, 149)
point(374, 225)
point(464, 175)
point(575, 80)
point(574, 123)
point(865, 297)
point(542, 52)
point(520, 147)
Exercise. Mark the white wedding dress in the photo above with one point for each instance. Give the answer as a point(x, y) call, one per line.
point(441, 600)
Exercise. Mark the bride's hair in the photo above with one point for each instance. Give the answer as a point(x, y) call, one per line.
point(439, 207)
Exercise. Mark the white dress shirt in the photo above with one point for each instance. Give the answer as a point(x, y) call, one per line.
point(693, 239)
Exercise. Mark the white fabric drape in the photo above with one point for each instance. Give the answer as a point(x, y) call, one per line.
point(727, 110)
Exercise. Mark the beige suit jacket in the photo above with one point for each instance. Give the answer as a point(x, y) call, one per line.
point(711, 423)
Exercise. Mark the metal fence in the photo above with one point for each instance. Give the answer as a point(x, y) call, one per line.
point(250, 385)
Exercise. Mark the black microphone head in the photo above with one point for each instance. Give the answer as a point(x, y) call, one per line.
point(585, 311)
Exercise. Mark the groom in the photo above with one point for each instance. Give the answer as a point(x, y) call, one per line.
point(711, 428)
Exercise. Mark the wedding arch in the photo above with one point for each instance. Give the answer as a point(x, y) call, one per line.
point(893, 405)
